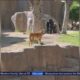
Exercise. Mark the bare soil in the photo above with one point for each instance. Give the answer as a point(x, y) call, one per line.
point(16, 41)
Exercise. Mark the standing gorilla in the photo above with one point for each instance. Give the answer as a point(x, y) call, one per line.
point(51, 25)
point(48, 27)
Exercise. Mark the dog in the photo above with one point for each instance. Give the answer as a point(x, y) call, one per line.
point(35, 37)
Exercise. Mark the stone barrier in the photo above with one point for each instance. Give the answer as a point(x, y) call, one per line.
point(45, 58)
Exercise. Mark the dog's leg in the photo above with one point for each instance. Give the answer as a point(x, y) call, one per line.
point(39, 40)
point(30, 41)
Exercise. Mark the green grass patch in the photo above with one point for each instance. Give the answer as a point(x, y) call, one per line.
point(71, 37)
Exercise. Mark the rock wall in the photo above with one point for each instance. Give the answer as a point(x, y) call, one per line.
point(45, 58)
point(8, 8)
point(52, 8)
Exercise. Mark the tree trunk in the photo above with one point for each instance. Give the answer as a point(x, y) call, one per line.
point(66, 17)
point(0, 38)
point(38, 26)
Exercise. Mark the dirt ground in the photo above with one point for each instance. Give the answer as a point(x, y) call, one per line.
point(16, 41)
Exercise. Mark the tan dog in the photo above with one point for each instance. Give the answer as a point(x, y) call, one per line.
point(35, 37)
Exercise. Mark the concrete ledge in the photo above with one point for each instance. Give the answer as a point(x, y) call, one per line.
point(45, 58)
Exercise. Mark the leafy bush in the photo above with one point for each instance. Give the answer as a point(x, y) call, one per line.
point(74, 11)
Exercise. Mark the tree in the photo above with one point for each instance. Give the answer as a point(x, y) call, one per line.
point(74, 11)
point(38, 26)
point(65, 20)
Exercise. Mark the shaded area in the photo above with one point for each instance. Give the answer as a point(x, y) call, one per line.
point(10, 40)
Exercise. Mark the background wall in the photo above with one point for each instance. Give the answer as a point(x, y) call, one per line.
point(9, 7)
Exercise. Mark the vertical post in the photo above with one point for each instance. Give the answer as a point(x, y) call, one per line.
point(79, 35)
point(63, 25)
point(0, 42)
point(0, 35)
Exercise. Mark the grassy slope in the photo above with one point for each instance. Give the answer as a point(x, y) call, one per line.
point(71, 37)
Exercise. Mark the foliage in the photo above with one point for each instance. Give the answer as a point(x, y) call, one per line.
point(74, 11)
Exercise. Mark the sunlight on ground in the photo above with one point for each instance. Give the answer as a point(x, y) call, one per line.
point(15, 41)
point(72, 37)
